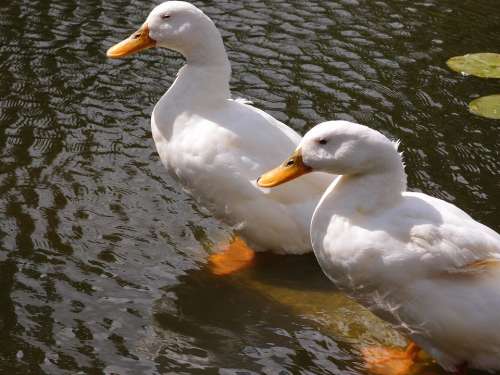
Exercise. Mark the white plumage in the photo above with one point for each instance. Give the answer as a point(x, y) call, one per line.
point(416, 261)
point(217, 146)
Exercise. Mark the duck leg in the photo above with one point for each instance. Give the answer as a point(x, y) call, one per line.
point(233, 257)
point(390, 361)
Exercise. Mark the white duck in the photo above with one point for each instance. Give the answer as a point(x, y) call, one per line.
point(217, 146)
point(414, 260)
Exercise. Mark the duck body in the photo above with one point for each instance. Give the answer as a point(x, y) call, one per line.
point(215, 146)
point(418, 262)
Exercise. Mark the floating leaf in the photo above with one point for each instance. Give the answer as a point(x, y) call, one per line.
point(486, 106)
point(484, 65)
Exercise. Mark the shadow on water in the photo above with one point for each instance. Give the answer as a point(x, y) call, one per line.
point(254, 318)
point(285, 302)
point(290, 294)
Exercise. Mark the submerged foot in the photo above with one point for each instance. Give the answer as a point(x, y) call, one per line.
point(390, 361)
point(234, 257)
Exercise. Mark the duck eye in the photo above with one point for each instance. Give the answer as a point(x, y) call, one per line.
point(165, 16)
point(290, 162)
point(322, 141)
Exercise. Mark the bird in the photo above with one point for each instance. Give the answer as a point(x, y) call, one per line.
point(416, 261)
point(217, 146)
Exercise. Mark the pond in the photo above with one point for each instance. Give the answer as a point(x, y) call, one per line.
point(103, 256)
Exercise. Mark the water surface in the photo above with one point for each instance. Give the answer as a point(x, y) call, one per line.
point(102, 255)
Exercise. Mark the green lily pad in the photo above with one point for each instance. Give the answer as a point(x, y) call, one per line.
point(486, 106)
point(484, 65)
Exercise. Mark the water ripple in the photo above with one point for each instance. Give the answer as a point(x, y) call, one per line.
point(102, 254)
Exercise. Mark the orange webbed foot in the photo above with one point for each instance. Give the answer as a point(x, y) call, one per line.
point(390, 361)
point(234, 257)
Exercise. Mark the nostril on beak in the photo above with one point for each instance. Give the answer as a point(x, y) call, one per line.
point(258, 179)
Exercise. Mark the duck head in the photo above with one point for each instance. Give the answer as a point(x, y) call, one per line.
point(176, 25)
point(337, 147)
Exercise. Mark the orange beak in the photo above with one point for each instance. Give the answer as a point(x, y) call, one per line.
point(134, 43)
point(292, 168)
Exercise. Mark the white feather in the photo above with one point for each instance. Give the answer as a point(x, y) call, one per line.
point(407, 256)
point(217, 147)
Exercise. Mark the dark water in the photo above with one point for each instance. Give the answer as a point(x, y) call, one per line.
point(102, 255)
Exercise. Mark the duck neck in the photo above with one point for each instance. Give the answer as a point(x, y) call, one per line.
point(366, 193)
point(204, 79)
point(208, 51)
